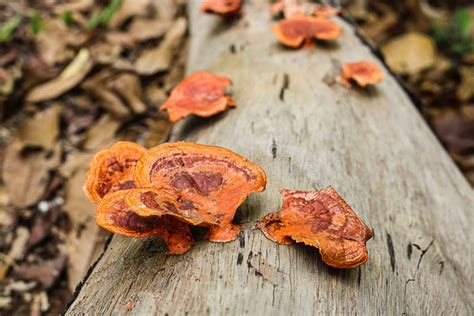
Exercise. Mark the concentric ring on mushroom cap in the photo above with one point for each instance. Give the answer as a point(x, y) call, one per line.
point(114, 214)
point(214, 177)
point(295, 31)
point(362, 72)
point(221, 7)
point(112, 169)
point(201, 93)
point(322, 220)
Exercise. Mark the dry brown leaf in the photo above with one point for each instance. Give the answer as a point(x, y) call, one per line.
point(72, 75)
point(26, 173)
point(410, 53)
point(128, 9)
point(107, 99)
point(105, 52)
point(82, 239)
point(51, 44)
point(144, 30)
point(102, 133)
point(42, 130)
point(465, 90)
point(157, 131)
point(155, 94)
point(128, 86)
point(17, 250)
point(46, 272)
point(167, 9)
point(120, 38)
point(159, 58)
point(73, 5)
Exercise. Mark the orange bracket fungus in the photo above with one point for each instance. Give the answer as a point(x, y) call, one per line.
point(322, 220)
point(213, 180)
point(221, 7)
point(202, 93)
point(115, 214)
point(295, 31)
point(362, 72)
point(112, 169)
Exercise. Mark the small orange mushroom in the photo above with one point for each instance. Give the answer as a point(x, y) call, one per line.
point(322, 220)
point(214, 179)
point(112, 169)
point(201, 93)
point(362, 72)
point(326, 11)
point(116, 215)
point(295, 31)
point(221, 7)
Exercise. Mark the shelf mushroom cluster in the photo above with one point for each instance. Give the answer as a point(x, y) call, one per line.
point(164, 190)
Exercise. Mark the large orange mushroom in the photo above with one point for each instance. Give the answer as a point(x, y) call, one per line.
point(295, 31)
point(221, 7)
point(362, 72)
point(322, 220)
point(213, 179)
point(201, 93)
point(112, 169)
point(115, 214)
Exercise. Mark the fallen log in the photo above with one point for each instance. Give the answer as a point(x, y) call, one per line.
point(307, 132)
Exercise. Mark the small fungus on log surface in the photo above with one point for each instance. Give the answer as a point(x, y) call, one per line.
point(362, 72)
point(112, 169)
point(289, 8)
point(116, 215)
point(298, 30)
point(322, 220)
point(201, 93)
point(221, 7)
point(214, 177)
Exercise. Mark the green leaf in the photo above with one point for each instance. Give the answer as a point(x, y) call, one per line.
point(35, 22)
point(93, 21)
point(104, 16)
point(462, 21)
point(67, 18)
point(109, 11)
point(8, 29)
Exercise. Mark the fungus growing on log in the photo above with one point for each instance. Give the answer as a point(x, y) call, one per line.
point(151, 201)
point(295, 31)
point(112, 169)
point(216, 178)
point(362, 72)
point(221, 7)
point(322, 220)
point(201, 93)
point(115, 214)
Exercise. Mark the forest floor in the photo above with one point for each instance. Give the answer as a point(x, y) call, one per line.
point(77, 76)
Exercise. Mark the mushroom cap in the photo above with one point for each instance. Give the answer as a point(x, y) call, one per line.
point(362, 72)
point(294, 31)
point(112, 169)
point(213, 177)
point(322, 220)
point(201, 93)
point(221, 7)
point(114, 214)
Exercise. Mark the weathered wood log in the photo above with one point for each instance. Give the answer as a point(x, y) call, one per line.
point(307, 133)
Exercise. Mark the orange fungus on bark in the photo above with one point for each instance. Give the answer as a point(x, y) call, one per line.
point(201, 93)
point(221, 7)
point(295, 31)
point(362, 72)
point(322, 220)
point(212, 181)
point(112, 169)
point(116, 215)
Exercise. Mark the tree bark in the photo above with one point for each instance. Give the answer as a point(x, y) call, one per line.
point(307, 132)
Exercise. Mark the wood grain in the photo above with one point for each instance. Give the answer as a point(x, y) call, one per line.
point(307, 133)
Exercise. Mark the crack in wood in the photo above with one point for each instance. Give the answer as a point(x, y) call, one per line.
point(285, 85)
